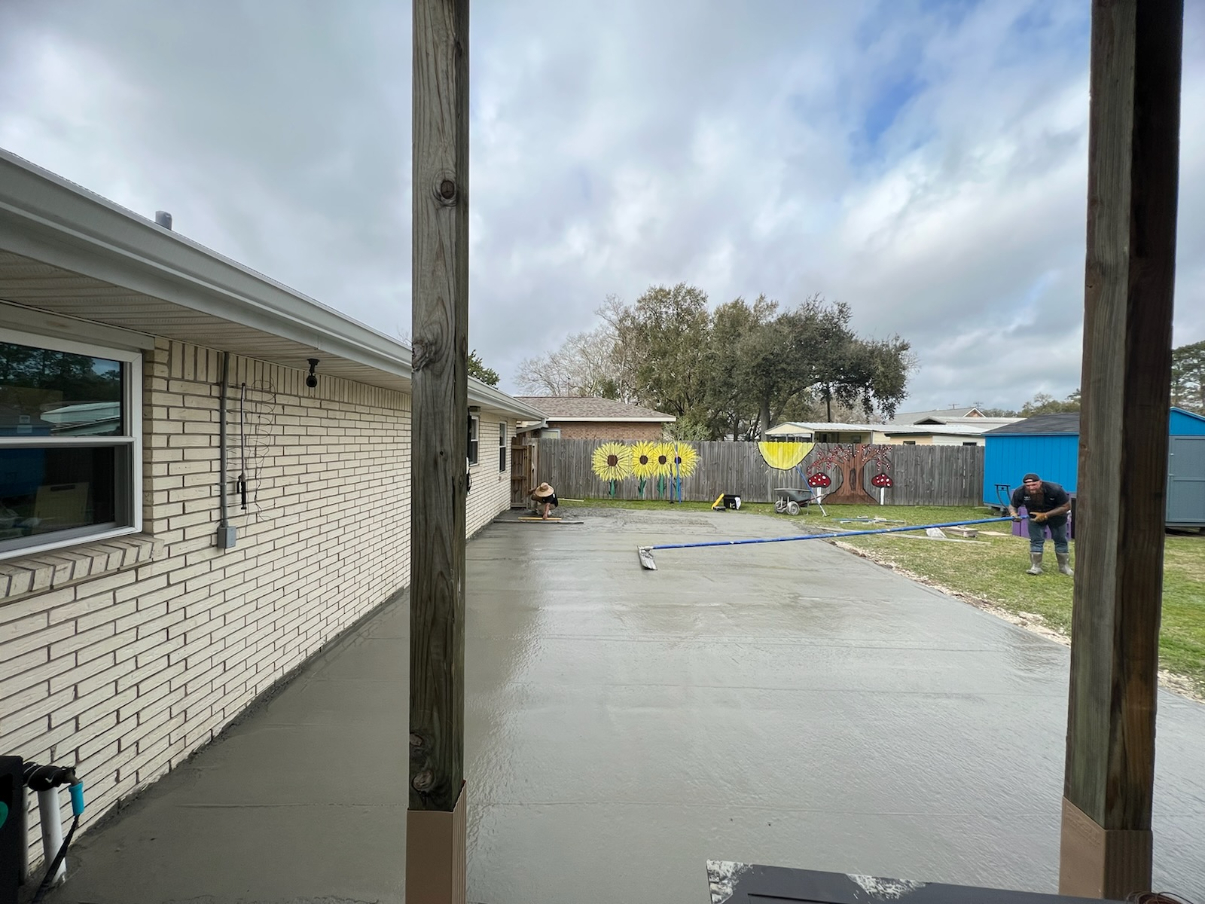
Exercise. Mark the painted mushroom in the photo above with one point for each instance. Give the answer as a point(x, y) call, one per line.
point(881, 480)
point(820, 480)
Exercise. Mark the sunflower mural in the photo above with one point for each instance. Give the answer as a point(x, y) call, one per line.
point(686, 459)
point(612, 462)
point(644, 462)
point(663, 465)
point(672, 462)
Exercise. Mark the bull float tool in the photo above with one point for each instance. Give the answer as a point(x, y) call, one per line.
point(646, 552)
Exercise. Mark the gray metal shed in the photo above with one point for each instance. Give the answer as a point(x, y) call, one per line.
point(1186, 470)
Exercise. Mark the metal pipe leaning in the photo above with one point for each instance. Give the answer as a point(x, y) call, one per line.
point(645, 553)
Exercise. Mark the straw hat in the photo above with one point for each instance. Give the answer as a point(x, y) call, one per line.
point(543, 491)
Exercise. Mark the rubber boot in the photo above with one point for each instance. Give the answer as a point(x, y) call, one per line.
point(1064, 563)
point(1035, 563)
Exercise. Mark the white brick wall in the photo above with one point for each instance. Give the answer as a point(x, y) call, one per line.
point(122, 658)
point(490, 491)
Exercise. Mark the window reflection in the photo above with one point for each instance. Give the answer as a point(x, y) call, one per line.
point(44, 392)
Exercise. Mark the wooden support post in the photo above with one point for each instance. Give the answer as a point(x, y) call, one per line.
point(1133, 150)
point(435, 847)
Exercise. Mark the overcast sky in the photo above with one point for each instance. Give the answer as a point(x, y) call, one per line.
point(923, 161)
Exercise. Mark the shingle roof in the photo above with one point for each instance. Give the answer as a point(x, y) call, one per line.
point(813, 426)
point(1042, 423)
point(983, 423)
point(911, 417)
point(570, 408)
point(796, 427)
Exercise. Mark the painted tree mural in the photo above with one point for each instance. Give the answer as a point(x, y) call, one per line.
point(850, 461)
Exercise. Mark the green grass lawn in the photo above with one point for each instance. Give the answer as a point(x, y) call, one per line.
point(992, 568)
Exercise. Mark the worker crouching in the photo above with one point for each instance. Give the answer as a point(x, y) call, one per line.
point(1047, 505)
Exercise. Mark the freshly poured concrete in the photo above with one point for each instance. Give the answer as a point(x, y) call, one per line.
point(785, 703)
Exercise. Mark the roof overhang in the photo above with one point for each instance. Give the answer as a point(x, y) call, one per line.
point(72, 254)
point(611, 420)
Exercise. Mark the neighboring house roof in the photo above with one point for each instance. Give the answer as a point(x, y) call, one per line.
point(912, 417)
point(1064, 423)
point(931, 430)
point(794, 427)
point(77, 257)
point(1041, 425)
point(979, 423)
point(588, 408)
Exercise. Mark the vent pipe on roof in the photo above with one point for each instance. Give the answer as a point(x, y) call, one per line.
point(163, 218)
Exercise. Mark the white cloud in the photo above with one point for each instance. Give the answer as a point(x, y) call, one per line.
point(924, 162)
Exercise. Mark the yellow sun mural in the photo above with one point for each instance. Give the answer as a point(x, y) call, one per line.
point(784, 456)
point(612, 461)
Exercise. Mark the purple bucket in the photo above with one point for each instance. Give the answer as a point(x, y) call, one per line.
point(1021, 528)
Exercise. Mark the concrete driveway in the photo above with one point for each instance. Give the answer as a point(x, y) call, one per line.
point(787, 704)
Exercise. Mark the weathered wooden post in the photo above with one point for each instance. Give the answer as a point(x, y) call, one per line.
point(1133, 151)
point(435, 825)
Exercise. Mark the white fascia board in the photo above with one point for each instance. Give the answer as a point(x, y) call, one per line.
point(49, 219)
point(496, 400)
point(607, 420)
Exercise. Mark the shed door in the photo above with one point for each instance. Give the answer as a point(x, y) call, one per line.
point(1186, 480)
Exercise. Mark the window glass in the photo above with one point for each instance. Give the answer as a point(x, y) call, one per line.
point(474, 426)
point(44, 392)
point(70, 459)
point(46, 490)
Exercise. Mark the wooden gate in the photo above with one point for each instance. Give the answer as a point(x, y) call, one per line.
point(522, 471)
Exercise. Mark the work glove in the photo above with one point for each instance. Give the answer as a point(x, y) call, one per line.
point(1016, 517)
point(1038, 517)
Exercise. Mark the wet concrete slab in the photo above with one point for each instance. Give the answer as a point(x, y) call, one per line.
point(787, 704)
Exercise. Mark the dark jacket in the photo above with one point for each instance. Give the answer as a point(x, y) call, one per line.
point(1050, 496)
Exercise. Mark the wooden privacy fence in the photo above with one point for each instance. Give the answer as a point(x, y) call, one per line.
point(920, 475)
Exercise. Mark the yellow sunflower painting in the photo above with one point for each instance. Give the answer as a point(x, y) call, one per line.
point(662, 465)
point(686, 460)
point(612, 462)
point(644, 463)
point(663, 459)
point(644, 459)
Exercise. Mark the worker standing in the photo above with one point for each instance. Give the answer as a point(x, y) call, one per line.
point(1047, 505)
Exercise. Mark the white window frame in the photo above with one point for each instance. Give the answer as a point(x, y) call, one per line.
point(502, 447)
point(131, 401)
point(474, 447)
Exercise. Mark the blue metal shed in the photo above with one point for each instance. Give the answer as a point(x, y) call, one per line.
point(1185, 423)
point(1048, 444)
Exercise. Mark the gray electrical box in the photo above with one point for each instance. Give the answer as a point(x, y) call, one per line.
point(227, 537)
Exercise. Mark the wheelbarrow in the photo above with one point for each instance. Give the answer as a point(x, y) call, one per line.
point(792, 500)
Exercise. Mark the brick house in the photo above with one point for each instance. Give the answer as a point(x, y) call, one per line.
point(133, 625)
point(585, 417)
